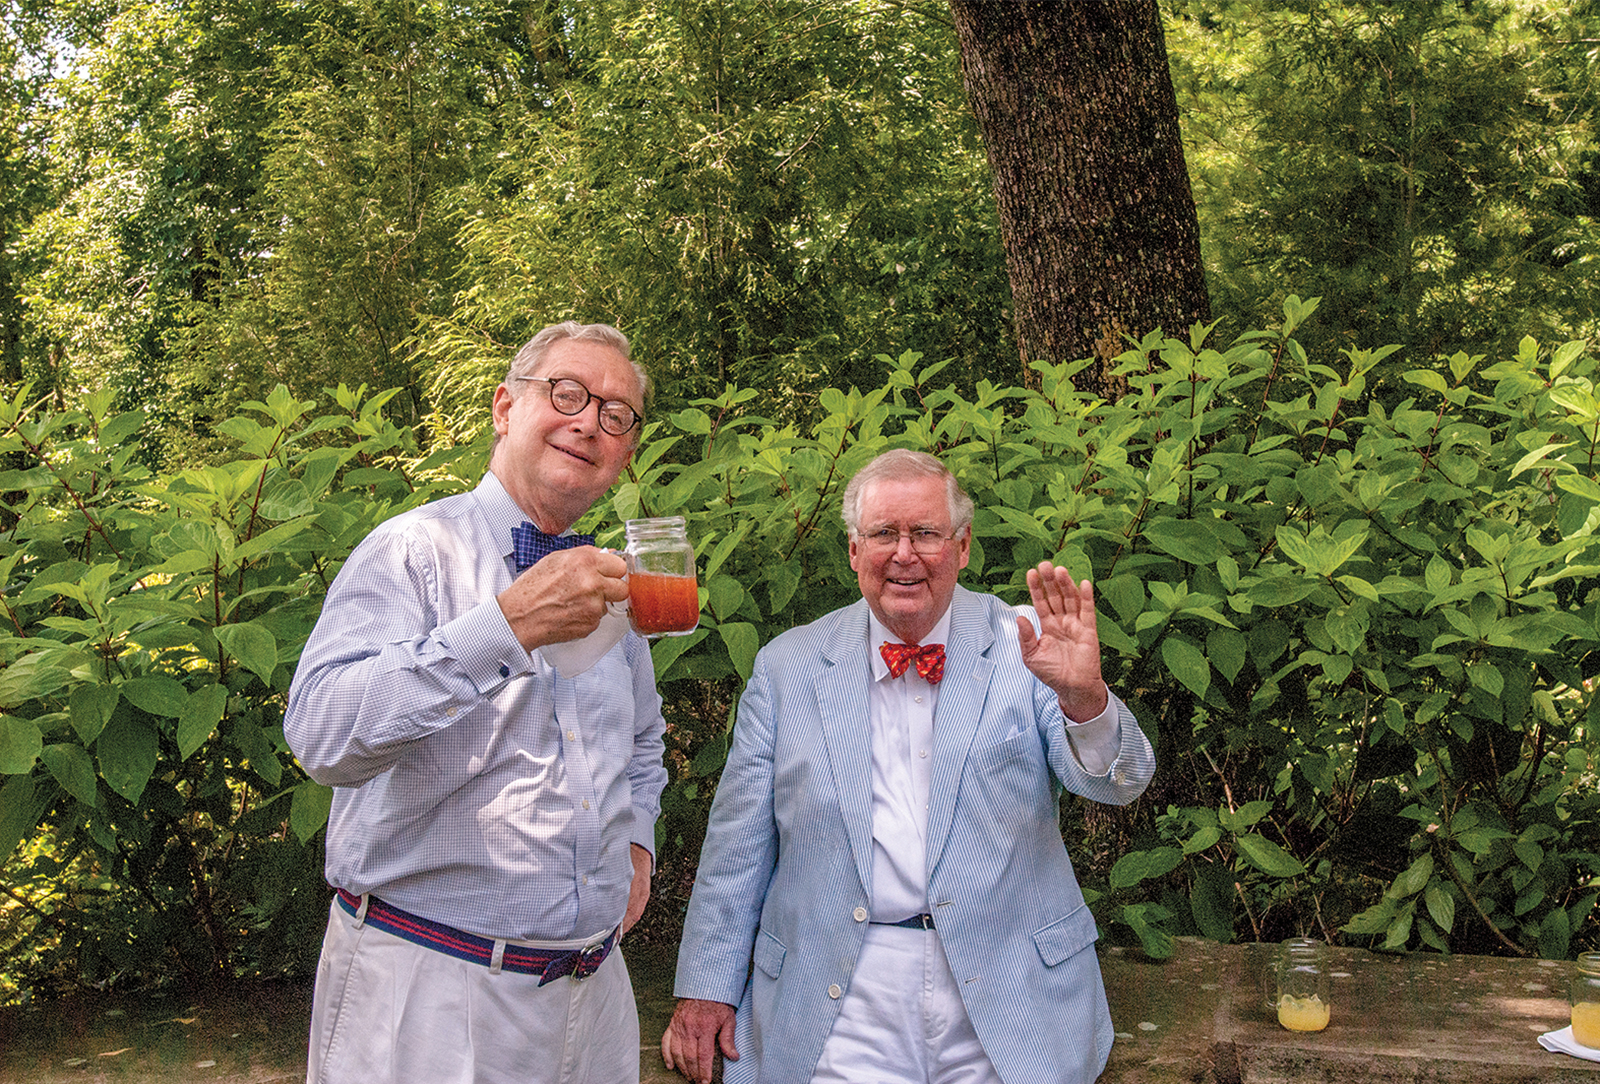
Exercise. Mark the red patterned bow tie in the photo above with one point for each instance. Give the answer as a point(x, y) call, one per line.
point(929, 658)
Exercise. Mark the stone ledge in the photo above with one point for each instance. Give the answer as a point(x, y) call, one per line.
point(1201, 1018)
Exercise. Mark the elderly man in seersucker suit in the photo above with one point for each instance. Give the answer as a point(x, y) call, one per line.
point(884, 894)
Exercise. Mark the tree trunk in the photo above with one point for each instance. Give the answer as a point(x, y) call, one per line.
point(1075, 102)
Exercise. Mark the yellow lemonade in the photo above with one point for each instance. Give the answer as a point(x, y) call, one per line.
point(1305, 1013)
point(1586, 1023)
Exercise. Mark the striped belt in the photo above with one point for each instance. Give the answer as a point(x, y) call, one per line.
point(915, 922)
point(550, 964)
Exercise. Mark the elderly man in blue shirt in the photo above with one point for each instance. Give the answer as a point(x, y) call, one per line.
point(492, 829)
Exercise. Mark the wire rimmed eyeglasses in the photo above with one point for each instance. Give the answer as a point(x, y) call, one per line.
point(925, 541)
point(570, 397)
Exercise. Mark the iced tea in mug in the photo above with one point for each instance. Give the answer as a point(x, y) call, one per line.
point(663, 595)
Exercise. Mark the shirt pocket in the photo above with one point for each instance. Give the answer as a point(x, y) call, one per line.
point(1066, 937)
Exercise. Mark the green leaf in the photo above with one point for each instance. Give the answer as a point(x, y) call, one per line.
point(158, 695)
point(308, 810)
point(1136, 866)
point(1529, 853)
point(1441, 906)
point(253, 645)
point(711, 756)
point(1211, 902)
point(1186, 540)
point(1156, 942)
point(127, 750)
point(1400, 929)
point(742, 641)
point(37, 675)
point(1267, 856)
point(1414, 879)
point(20, 745)
point(1281, 590)
point(1555, 935)
point(783, 578)
point(1373, 920)
point(1227, 649)
point(1237, 820)
point(1187, 663)
point(200, 717)
point(724, 596)
point(74, 770)
point(20, 809)
point(665, 650)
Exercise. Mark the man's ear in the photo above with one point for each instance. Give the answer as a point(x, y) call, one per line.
point(500, 409)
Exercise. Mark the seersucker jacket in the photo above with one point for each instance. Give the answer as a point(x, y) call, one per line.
point(778, 912)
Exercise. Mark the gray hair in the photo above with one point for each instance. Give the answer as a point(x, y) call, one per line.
point(901, 465)
point(533, 352)
point(532, 355)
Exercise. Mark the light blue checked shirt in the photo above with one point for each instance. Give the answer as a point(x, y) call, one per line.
point(472, 784)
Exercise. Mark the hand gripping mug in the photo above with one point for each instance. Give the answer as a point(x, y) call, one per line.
point(663, 597)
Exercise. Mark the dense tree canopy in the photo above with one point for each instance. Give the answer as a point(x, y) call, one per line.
point(1427, 168)
point(205, 197)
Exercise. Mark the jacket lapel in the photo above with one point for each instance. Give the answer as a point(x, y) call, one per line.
point(842, 703)
point(968, 672)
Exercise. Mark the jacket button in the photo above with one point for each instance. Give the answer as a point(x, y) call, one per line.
point(859, 914)
point(834, 991)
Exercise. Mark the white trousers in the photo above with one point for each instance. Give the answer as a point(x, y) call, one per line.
point(387, 1010)
point(902, 1021)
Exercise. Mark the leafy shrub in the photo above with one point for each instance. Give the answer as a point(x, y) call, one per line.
point(1359, 634)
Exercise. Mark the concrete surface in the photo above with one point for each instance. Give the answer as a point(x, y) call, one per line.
point(1199, 1018)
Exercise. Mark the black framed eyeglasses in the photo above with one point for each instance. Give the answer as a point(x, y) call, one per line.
point(570, 397)
point(925, 541)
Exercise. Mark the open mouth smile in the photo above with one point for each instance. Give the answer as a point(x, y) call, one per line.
point(579, 456)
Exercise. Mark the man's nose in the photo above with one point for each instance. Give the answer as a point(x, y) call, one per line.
point(586, 420)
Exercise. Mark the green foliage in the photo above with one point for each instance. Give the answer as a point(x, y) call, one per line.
point(1361, 637)
point(763, 194)
point(1427, 167)
point(150, 628)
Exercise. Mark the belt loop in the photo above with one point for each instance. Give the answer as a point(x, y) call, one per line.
point(497, 956)
point(361, 912)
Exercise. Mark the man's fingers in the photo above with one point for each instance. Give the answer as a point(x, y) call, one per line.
point(1025, 635)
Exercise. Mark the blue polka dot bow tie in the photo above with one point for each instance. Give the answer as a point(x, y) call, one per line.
point(528, 544)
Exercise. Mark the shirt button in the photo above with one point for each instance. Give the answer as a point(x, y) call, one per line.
point(834, 991)
point(859, 914)
point(923, 753)
point(919, 699)
point(450, 712)
point(586, 803)
point(572, 735)
point(585, 878)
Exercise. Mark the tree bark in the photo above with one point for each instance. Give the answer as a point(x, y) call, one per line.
point(1075, 102)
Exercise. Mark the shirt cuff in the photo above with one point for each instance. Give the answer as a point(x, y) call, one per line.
point(644, 834)
point(482, 641)
point(1097, 742)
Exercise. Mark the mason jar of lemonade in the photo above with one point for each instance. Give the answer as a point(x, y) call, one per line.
point(663, 595)
point(1586, 1001)
point(1302, 989)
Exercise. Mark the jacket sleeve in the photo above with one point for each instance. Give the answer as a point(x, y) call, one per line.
point(737, 861)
